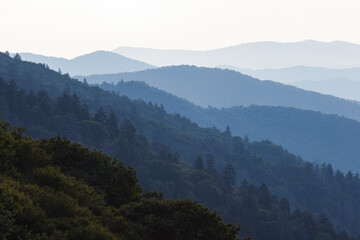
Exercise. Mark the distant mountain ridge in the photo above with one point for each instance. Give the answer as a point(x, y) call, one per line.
point(343, 83)
point(339, 87)
point(299, 73)
point(225, 88)
point(93, 63)
point(256, 55)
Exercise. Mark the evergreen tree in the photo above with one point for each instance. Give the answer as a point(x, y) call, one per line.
point(44, 101)
point(112, 120)
point(210, 165)
point(100, 115)
point(63, 103)
point(238, 146)
point(31, 98)
point(199, 163)
point(228, 131)
point(246, 140)
point(127, 129)
point(17, 57)
point(349, 176)
point(264, 197)
point(229, 176)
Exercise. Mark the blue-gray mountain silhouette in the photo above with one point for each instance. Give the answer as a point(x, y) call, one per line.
point(93, 63)
point(312, 135)
point(226, 88)
point(256, 55)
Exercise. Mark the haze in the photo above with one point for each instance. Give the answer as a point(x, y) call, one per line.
point(71, 28)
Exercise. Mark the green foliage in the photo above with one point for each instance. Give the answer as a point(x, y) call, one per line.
point(118, 182)
point(162, 167)
point(167, 219)
point(54, 189)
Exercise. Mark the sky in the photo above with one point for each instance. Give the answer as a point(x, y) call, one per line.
point(69, 28)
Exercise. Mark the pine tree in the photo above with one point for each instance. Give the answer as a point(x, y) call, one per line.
point(44, 101)
point(128, 129)
point(238, 146)
point(17, 57)
point(199, 163)
point(210, 165)
point(229, 176)
point(228, 131)
point(112, 120)
point(100, 115)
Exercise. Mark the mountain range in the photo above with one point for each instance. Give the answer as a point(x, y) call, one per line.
point(280, 124)
point(337, 81)
point(343, 83)
point(299, 73)
point(226, 88)
point(339, 87)
point(257, 55)
point(93, 63)
point(165, 149)
point(308, 134)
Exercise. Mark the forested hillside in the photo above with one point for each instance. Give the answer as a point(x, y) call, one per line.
point(73, 193)
point(52, 189)
point(314, 136)
point(226, 88)
point(177, 143)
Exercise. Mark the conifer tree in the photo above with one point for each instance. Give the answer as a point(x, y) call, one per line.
point(199, 163)
point(229, 176)
point(128, 129)
point(112, 120)
point(100, 115)
point(210, 165)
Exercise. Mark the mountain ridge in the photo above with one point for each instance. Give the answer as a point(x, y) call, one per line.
point(303, 132)
point(74, 102)
point(298, 73)
point(205, 87)
point(91, 63)
point(343, 83)
point(255, 55)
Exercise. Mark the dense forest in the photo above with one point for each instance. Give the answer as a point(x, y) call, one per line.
point(221, 171)
point(54, 189)
point(110, 200)
point(312, 135)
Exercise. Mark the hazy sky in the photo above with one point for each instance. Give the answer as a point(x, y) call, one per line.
point(69, 28)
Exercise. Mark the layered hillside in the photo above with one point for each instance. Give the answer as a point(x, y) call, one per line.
point(226, 88)
point(314, 136)
point(178, 143)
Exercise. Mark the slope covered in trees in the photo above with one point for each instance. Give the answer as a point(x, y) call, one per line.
point(57, 189)
point(52, 189)
point(226, 88)
point(314, 136)
point(304, 184)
